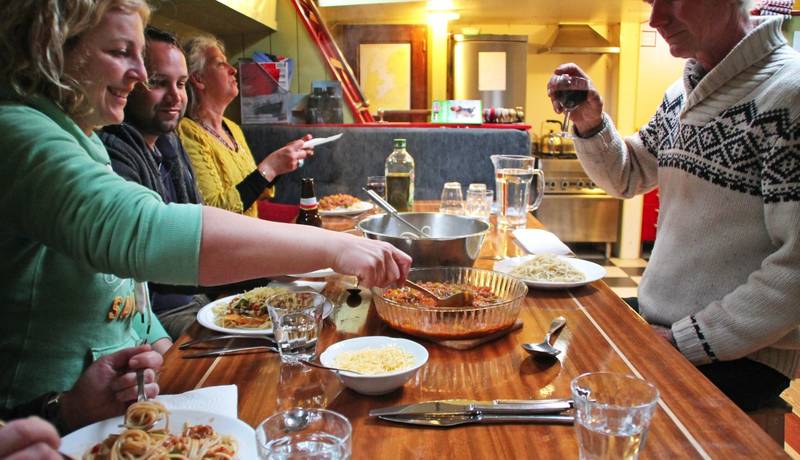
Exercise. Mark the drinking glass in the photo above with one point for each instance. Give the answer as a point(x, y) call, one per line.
point(452, 199)
point(378, 184)
point(479, 202)
point(296, 321)
point(571, 91)
point(301, 433)
point(612, 414)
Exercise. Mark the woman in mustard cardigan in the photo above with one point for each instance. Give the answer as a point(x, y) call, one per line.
point(227, 175)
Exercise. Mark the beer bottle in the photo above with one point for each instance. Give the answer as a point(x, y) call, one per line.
point(309, 214)
point(399, 172)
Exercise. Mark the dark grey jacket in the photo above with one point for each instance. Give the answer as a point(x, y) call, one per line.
point(133, 160)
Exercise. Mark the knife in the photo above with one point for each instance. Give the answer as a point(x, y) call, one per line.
point(194, 342)
point(226, 351)
point(464, 419)
point(452, 407)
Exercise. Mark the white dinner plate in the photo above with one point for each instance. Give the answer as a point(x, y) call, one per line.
point(357, 208)
point(206, 314)
point(77, 443)
point(591, 272)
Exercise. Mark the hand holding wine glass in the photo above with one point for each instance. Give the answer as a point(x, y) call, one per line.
point(572, 92)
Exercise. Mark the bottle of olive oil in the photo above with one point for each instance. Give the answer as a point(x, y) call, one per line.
point(399, 171)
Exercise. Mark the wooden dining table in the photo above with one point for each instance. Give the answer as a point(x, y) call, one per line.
point(693, 419)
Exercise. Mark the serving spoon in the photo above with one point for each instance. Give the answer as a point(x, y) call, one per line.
point(457, 299)
point(545, 349)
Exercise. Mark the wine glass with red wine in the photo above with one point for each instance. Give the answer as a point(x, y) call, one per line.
point(571, 91)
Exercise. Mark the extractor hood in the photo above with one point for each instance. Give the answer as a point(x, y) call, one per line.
point(578, 39)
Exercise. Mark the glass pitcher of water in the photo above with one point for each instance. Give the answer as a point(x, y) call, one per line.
point(514, 179)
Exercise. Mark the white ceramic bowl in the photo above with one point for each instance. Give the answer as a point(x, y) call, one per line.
point(375, 384)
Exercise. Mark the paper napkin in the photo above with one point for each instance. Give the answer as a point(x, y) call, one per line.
point(222, 400)
point(538, 241)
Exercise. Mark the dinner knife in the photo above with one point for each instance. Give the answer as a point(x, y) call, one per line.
point(191, 343)
point(464, 419)
point(467, 407)
point(227, 351)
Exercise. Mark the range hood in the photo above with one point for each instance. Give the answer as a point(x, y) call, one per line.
point(578, 39)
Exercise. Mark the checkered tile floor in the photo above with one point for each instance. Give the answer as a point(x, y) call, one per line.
point(623, 275)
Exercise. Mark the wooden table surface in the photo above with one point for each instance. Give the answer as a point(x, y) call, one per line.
point(693, 419)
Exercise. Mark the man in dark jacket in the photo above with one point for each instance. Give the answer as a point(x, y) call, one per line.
point(145, 149)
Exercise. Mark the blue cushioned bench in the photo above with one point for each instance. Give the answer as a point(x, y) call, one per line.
point(440, 154)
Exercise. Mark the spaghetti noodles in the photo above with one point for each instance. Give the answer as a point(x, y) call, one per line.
point(547, 267)
point(248, 310)
point(140, 440)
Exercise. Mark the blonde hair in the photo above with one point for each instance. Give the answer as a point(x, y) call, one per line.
point(195, 50)
point(35, 35)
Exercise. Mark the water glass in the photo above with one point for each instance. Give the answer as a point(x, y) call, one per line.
point(312, 434)
point(378, 184)
point(452, 199)
point(612, 414)
point(479, 202)
point(296, 321)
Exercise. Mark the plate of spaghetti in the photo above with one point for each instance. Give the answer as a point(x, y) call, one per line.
point(149, 431)
point(246, 313)
point(547, 271)
point(342, 204)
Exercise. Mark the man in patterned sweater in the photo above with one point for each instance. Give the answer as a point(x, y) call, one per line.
point(723, 281)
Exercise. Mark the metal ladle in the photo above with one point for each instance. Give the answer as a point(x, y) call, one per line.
point(545, 349)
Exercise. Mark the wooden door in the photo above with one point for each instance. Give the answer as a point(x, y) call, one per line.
point(408, 46)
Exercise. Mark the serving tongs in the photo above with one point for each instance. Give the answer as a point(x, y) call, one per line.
point(393, 212)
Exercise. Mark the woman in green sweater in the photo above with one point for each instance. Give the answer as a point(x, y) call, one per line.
point(74, 235)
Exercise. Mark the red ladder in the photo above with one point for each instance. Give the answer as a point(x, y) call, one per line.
point(351, 91)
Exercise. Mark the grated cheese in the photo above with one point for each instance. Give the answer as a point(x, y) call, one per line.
point(373, 361)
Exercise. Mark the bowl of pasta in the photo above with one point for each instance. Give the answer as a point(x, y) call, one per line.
point(384, 364)
point(493, 302)
point(451, 241)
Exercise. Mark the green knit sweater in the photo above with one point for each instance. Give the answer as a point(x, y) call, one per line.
point(72, 237)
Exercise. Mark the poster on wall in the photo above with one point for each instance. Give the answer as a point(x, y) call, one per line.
point(465, 111)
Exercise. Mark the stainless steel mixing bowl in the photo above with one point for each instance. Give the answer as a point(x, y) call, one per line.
point(454, 241)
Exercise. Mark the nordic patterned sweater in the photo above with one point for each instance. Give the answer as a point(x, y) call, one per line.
point(724, 150)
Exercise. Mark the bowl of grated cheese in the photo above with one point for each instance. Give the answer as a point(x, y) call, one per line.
point(384, 363)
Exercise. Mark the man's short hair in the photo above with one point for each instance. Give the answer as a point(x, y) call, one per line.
point(157, 35)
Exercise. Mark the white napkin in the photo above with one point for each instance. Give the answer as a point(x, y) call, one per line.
point(222, 400)
point(538, 241)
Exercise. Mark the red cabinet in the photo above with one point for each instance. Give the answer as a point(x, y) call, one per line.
point(650, 216)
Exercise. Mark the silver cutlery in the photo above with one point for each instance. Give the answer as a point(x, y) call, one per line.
point(545, 349)
point(194, 342)
point(227, 351)
point(455, 407)
point(328, 368)
point(463, 419)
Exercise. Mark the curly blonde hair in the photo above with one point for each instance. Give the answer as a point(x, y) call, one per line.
point(35, 35)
